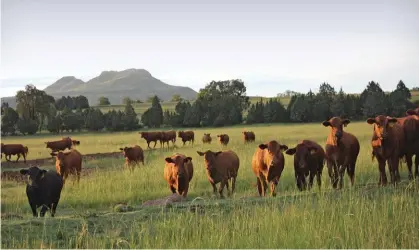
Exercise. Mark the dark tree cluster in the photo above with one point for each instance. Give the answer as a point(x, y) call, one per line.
point(72, 102)
point(270, 112)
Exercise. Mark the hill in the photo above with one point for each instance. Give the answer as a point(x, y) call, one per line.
point(133, 83)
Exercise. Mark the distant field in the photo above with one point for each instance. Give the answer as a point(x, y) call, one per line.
point(364, 216)
point(140, 108)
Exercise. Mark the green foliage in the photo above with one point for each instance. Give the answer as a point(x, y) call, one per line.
point(153, 117)
point(270, 112)
point(94, 119)
point(71, 121)
point(9, 120)
point(54, 124)
point(127, 100)
point(77, 102)
point(27, 126)
point(176, 98)
point(130, 118)
point(103, 101)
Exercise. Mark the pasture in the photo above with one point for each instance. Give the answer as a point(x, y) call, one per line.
point(363, 216)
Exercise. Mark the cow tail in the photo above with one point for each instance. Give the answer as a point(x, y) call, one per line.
point(26, 150)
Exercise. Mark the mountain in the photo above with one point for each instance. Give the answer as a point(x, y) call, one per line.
point(115, 85)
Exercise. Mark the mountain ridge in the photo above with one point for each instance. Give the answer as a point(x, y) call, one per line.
point(115, 85)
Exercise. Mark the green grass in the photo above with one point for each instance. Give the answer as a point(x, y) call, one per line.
point(364, 216)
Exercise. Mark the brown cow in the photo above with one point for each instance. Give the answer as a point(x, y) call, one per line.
point(267, 164)
point(187, 136)
point(412, 138)
point(308, 160)
point(60, 145)
point(151, 137)
point(68, 163)
point(223, 139)
point(388, 144)
point(248, 136)
point(74, 142)
point(133, 155)
point(342, 151)
point(206, 138)
point(168, 136)
point(14, 149)
point(221, 166)
point(178, 172)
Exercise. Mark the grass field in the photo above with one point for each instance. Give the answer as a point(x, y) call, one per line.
point(364, 216)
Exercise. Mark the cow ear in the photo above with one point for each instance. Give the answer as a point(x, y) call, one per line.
point(43, 172)
point(168, 160)
point(187, 159)
point(283, 147)
point(291, 151)
point(370, 120)
point(23, 171)
point(200, 153)
point(410, 112)
point(263, 146)
point(346, 122)
point(121, 149)
point(326, 123)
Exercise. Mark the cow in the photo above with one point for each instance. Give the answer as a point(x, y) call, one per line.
point(342, 151)
point(151, 137)
point(248, 136)
point(223, 139)
point(133, 155)
point(388, 144)
point(206, 138)
point(68, 163)
point(221, 166)
point(410, 125)
point(168, 136)
point(178, 172)
point(60, 145)
point(74, 142)
point(267, 165)
point(14, 149)
point(187, 136)
point(309, 160)
point(43, 188)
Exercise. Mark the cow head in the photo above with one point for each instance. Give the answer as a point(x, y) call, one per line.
point(412, 111)
point(75, 142)
point(381, 125)
point(179, 133)
point(143, 134)
point(209, 158)
point(336, 125)
point(34, 175)
point(125, 150)
point(59, 160)
point(302, 153)
point(46, 144)
point(208, 135)
point(274, 152)
point(178, 166)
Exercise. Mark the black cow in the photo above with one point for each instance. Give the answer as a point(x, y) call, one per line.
point(43, 188)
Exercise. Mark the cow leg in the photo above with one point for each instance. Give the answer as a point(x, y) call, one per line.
point(264, 184)
point(228, 188)
point(259, 185)
point(331, 172)
point(24, 157)
point(298, 181)
point(148, 144)
point(233, 184)
point(155, 142)
point(391, 170)
point(310, 183)
point(173, 189)
point(18, 156)
point(78, 177)
point(43, 210)
point(214, 188)
point(409, 165)
point(351, 173)
point(382, 169)
point(417, 165)
point(274, 183)
point(53, 208)
point(342, 169)
point(33, 208)
point(395, 165)
point(220, 190)
point(6, 157)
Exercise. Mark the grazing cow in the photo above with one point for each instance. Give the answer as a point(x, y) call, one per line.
point(151, 137)
point(168, 136)
point(248, 136)
point(410, 125)
point(187, 136)
point(206, 138)
point(60, 145)
point(221, 166)
point(43, 188)
point(68, 163)
point(267, 164)
point(133, 155)
point(14, 149)
point(178, 172)
point(223, 139)
point(342, 151)
point(308, 160)
point(388, 146)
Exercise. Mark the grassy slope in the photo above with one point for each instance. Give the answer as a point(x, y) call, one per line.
point(362, 217)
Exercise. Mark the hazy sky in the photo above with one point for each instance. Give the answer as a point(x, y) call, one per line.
point(272, 45)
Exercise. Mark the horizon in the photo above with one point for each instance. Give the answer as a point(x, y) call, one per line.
point(272, 47)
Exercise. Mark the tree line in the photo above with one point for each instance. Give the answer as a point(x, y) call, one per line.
point(220, 103)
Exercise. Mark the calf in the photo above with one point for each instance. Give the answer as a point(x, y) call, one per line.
point(151, 137)
point(14, 149)
point(248, 136)
point(206, 138)
point(342, 151)
point(308, 160)
point(388, 146)
point(43, 188)
point(178, 172)
point(60, 145)
point(221, 166)
point(68, 163)
point(223, 139)
point(187, 136)
point(133, 155)
point(267, 164)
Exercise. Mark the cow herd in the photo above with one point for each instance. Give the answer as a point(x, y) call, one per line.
point(393, 139)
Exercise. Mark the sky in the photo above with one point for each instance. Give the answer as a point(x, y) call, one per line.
point(273, 46)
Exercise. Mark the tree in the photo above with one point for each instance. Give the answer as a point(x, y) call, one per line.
point(151, 98)
point(71, 121)
point(54, 124)
point(27, 126)
point(397, 102)
point(8, 121)
point(104, 101)
point(176, 98)
point(338, 105)
point(374, 105)
point(130, 118)
point(4, 105)
point(404, 90)
point(94, 119)
point(127, 100)
point(300, 110)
